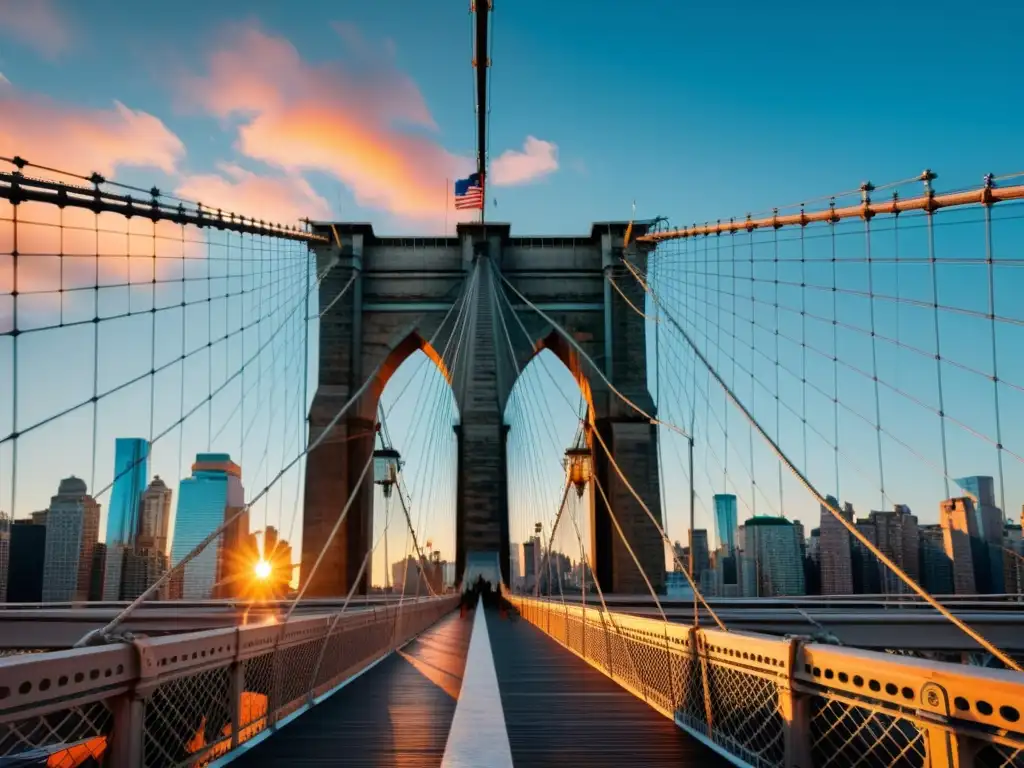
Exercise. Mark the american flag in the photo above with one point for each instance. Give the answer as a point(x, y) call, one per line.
point(469, 193)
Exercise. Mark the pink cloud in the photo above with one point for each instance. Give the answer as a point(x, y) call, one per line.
point(346, 121)
point(83, 140)
point(350, 118)
point(36, 22)
point(79, 140)
point(537, 159)
point(282, 199)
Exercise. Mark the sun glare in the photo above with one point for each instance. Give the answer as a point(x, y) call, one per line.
point(263, 570)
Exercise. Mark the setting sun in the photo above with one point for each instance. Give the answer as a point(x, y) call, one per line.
point(263, 570)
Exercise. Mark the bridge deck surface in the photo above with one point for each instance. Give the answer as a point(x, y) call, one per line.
point(558, 710)
point(398, 713)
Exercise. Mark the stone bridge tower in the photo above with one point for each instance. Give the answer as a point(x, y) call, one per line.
point(402, 296)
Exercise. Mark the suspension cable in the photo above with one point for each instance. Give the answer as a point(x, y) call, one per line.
point(854, 531)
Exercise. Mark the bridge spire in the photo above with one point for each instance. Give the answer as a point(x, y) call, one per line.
point(481, 64)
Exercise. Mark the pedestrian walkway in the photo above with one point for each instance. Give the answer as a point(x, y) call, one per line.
point(511, 696)
point(397, 714)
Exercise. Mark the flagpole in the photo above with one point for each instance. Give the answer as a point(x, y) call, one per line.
point(446, 207)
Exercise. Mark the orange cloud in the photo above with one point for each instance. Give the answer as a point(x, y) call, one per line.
point(537, 159)
point(281, 199)
point(80, 139)
point(58, 249)
point(351, 119)
point(37, 23)
point(345, 121)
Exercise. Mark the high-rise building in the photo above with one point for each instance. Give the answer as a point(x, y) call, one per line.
point(131, 468)
point(72, 528)
point(1013, 559)
point(959, 527)
point(28, 556)
point(278, 554)
point(834, 551)
point(772, 563)
point(701, 556)
point(987, 543)
point(155, 517)
point(531, 563)
point(515, 553)
point(142, 567)
point(867, 569)
point(726, 530)
point(936, 568)
point(679, 556)
point(98, 571)
point(896, 535)
point(213, 494)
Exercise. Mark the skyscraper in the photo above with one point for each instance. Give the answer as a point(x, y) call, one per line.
point(28, 556)
point(701, 556)
point(936, 567)
point(834, 551)
point(155, 517)
point(72, 528)
point(131, 468)
point(725, 521)
point(958, 529)
point(772, 560)
point(987, 542)
point(211, 495)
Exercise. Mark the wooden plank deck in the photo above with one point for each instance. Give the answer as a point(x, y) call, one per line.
point(562, 712)
point(397, 714)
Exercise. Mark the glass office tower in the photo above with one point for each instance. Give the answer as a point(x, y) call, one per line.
point(131, 474)
point(205, 500)
point(725, 520)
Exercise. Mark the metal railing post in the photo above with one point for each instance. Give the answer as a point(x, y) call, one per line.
point(699, 646)
point(236, 688)
point(126, 743)
point(944, 747)
point(795, 708)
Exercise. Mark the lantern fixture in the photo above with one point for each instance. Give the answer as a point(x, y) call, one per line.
point(386, 465)
point(578, 467)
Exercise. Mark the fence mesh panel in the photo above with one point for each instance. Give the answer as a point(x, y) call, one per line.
point(67, 737)
point(187, 716)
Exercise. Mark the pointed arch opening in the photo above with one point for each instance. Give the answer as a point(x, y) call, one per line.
point(412, 399)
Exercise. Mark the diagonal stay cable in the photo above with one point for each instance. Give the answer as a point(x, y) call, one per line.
point(618, 469)
point(854, 531)
point(582, 353)
point(104, 632)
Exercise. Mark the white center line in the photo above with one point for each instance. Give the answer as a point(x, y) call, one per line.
point(478, 737)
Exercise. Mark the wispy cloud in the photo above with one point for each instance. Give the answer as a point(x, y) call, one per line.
point(75, 138)
point(38, 23)
point(279, 198)
point(537, 159)
point(342, 120)
point(350, 118)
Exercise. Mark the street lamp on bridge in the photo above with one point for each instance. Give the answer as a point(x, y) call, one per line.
point(578, 467)
point(386, 464)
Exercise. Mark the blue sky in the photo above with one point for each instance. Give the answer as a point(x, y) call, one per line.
point(695, 112)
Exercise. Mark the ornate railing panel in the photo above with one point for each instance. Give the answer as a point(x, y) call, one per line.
point(785, 701)
point(188, 699)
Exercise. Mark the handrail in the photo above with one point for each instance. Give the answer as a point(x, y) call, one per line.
point(194, 694)
point(780, 701)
